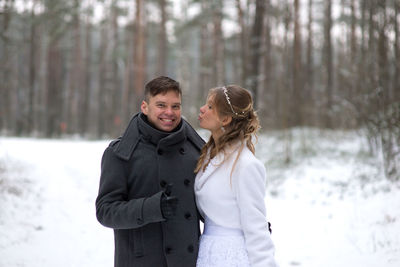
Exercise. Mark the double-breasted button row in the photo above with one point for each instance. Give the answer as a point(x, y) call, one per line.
point(163, 183)
point(181, 150)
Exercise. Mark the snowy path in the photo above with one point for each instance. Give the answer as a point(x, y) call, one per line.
point(61, 228)
point(321, 216)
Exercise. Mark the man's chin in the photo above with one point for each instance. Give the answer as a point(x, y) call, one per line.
point(167, 128)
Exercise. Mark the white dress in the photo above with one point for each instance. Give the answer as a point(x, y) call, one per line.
point(236, 229)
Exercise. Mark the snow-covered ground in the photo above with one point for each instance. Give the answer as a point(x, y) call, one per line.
point(329, 206)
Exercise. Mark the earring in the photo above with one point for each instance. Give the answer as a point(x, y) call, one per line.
point(222, 129)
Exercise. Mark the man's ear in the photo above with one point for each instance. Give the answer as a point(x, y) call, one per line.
point(226, 120)
point(144, 107)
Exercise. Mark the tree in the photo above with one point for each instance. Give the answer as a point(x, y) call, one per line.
point(297, 81)
point(56, 28)
point(267, 59)
point(84, 103)
point(243, 48)
point(205, 69)
point(218, 44)
point(328, 63)
point(139, 53)
point(162, 42)
point(76, 76)
point(33, 61)
point(6, 87)
point(255, 49)
point(309, 103)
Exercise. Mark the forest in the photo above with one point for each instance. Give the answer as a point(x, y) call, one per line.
point(78, 68)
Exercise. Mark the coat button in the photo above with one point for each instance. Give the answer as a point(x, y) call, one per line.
point(182, 151)
point(163, 183)
point(188, 215)
point(160, 152)
point(186, 182)
point(139, 221)
point(190, 248)
point(168, 250)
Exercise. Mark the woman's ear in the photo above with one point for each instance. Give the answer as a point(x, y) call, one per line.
point(226, 120)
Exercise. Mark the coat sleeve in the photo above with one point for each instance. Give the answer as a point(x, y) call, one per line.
point(113, 209)
point(249, 183)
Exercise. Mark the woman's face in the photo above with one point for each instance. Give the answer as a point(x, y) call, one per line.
point(209, 118)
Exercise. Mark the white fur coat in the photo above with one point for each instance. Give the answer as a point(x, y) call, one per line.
point(237, 200)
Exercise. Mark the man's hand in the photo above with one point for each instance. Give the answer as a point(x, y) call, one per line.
point(168, 203)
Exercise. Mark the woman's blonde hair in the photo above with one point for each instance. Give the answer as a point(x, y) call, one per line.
point(236, 102)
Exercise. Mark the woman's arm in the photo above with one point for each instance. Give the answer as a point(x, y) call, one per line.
point(249, 182)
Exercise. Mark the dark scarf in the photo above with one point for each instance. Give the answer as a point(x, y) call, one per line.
point(152, 134)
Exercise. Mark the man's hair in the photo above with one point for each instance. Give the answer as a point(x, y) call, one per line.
point(161, 85)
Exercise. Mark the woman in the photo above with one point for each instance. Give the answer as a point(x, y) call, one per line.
point(230, 184)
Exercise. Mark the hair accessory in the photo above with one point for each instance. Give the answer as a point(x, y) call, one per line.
point(228, 99)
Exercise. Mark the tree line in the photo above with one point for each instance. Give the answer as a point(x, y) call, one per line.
point(316, 63)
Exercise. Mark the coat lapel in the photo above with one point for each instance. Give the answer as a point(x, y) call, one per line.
point(214, 164)
point(219, 161)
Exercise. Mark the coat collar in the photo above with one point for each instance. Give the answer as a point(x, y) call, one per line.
point(153, 135)
point(217, 162)
point(131, 137)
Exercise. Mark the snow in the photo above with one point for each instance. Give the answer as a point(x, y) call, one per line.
point(330, 206)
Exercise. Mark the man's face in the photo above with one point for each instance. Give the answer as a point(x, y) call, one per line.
point(163, 110)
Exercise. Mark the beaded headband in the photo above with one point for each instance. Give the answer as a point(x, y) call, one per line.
point(225, 90)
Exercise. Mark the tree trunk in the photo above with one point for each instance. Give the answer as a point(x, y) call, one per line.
point(309, 86)
point(383, 78)
point(162, 41)
point(84, 108)
point(243, 42)
point(255, 49)
point(127, 93)
point(283, 93)
point(5, 68)
point(76, 74)
point(328, 63)
point(54, 90)
point(297, 83)
point(139, 54)
point(205, 73)
point(115, 112)
point(218, 45)
point(267, 89)
point(396, 48)
point(353, 53)
point(33, 64)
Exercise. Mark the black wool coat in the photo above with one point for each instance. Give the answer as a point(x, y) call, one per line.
point(135, 169)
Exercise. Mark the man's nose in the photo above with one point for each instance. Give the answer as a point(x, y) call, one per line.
point(169, 110)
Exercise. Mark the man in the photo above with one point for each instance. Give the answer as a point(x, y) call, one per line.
point(146, 185)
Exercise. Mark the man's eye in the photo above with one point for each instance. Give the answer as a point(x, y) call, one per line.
point(161, 105)
point(176, 107)
point(209, 107)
